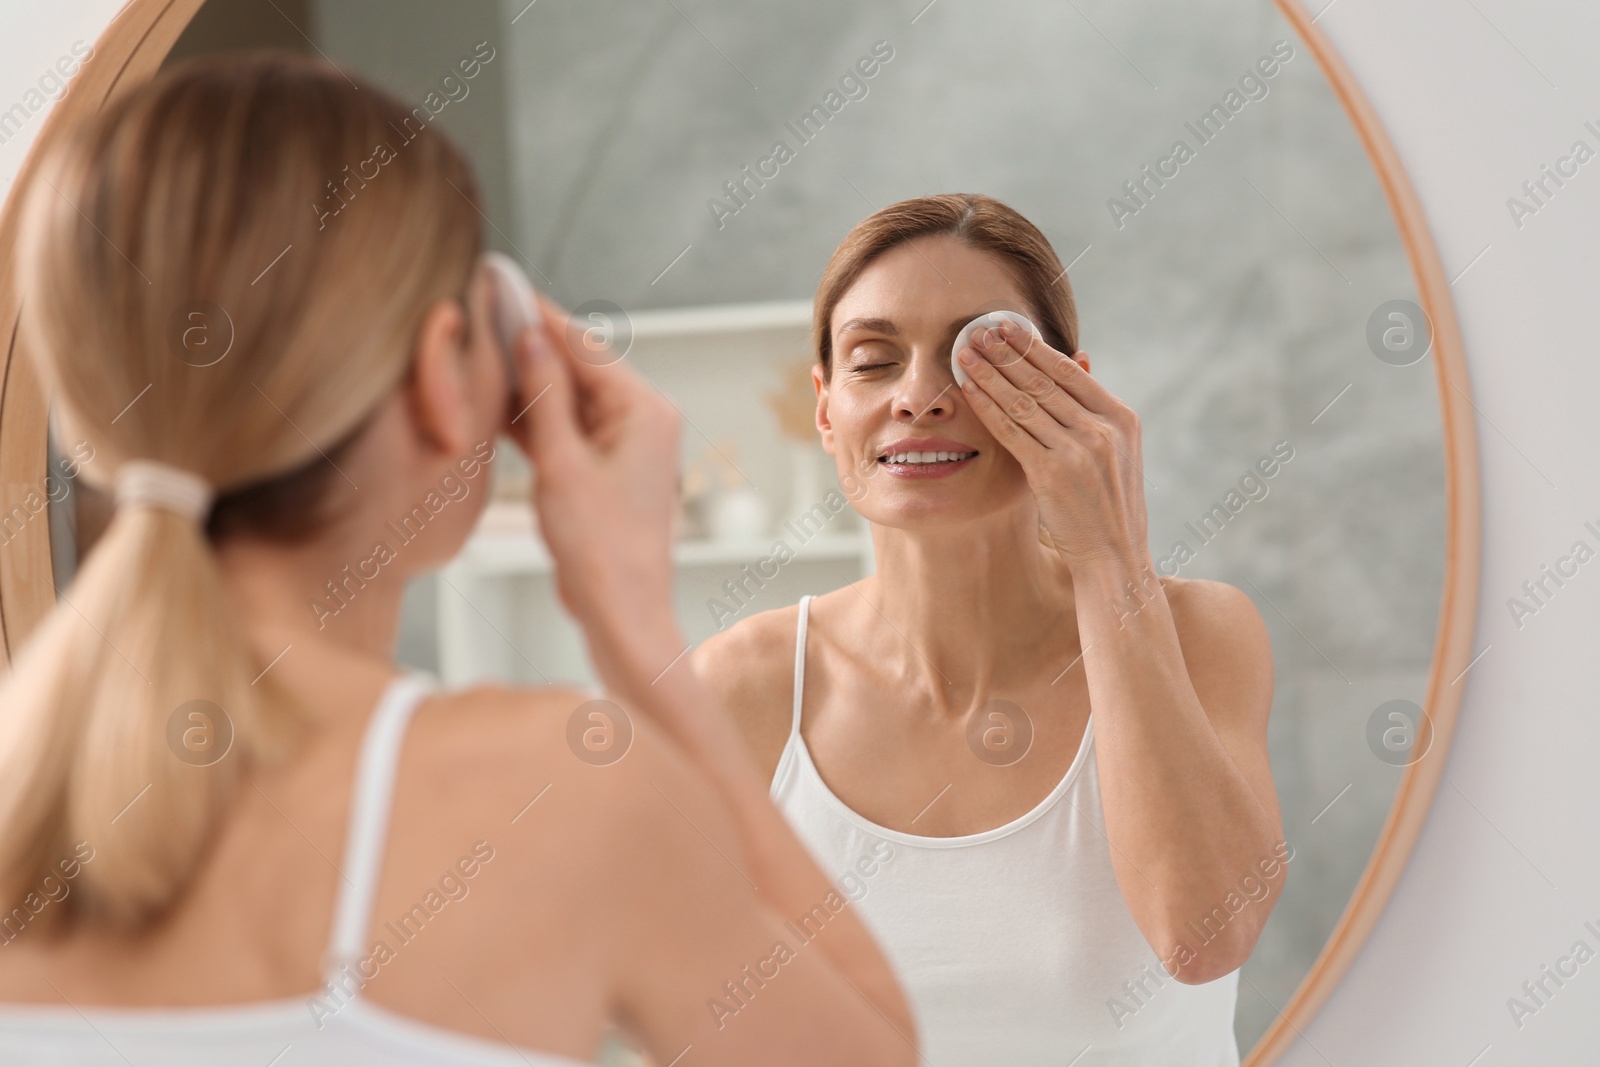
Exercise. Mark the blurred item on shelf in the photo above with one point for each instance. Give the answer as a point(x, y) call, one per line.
point(794, 403)
point(694, 499)
point(735, 511)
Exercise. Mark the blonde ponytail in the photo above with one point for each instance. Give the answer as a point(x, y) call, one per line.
point(86, 741)
point(133, 712)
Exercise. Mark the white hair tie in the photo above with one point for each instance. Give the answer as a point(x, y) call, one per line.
point(147, 483)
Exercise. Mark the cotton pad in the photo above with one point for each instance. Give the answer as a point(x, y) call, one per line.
point(984, 322)
point(515, 308)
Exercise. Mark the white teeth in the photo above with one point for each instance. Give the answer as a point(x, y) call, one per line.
point(927, 457)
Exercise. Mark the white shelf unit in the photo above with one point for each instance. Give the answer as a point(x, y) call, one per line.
point(498, 615)
point(523, 554)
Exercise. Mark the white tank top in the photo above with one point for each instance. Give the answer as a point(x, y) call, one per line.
point(334, 1028)
point(1014, 945)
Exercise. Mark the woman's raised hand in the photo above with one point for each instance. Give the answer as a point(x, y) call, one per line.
point(604, 446)
point(1078, 445)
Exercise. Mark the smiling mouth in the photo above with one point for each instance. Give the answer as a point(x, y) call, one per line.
point(924, 458)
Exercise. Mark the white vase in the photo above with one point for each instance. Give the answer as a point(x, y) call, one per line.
point(806, 491)
point(738, 514)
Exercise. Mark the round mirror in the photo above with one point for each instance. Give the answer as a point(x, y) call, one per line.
point(679, 175)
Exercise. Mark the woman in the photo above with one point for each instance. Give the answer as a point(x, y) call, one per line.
point(212, 847)
point(1057, 885)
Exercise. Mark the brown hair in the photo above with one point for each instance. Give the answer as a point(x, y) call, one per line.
point(982, 222)
point(314, 215)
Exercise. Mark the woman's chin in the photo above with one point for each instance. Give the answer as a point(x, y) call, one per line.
point(929, 505)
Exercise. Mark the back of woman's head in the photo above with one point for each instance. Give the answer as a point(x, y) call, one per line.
point(981, 222)
point(223, 271)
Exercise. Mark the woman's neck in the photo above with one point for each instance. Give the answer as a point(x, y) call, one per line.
point(984, 606)
point(299, 595)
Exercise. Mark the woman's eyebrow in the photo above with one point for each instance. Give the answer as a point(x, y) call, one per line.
point(883, 326)
point(889, 329)
point(956, 324)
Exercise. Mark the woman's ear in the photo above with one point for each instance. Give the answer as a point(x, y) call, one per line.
point(824, 424)
point(437, 389)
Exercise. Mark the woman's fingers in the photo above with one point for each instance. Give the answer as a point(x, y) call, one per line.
point(547, 420)
point(1027, 395)
point(589, 366)
point(482, 302)
point(1020, 357)
point(1018, 424)
point(1060, 368)
point(605, 389)
point(1060, 384)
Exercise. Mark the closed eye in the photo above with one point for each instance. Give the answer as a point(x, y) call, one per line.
point(870, 355)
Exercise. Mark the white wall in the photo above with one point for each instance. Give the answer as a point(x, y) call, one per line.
point(1477, 96)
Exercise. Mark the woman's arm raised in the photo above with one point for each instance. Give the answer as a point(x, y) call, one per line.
point(604, 446)
point(1191, 812)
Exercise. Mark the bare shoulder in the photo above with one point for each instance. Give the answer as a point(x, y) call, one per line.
point(567, 778)
point(750, 666)
point(487, 752)
point(502, 749)
point(1200, 600)
point(1225, 646)
point(597, 826)
point(494, 728)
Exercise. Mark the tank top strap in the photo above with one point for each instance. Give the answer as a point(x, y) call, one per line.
point(799, 667)
point(372, 793)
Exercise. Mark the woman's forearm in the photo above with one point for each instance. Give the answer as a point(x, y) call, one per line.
point(1179, 812)
point(646, 664)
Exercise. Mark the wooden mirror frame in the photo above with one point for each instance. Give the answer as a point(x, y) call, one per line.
point(137, 41)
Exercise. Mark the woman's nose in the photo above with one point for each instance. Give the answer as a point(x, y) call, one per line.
point(929, 392)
